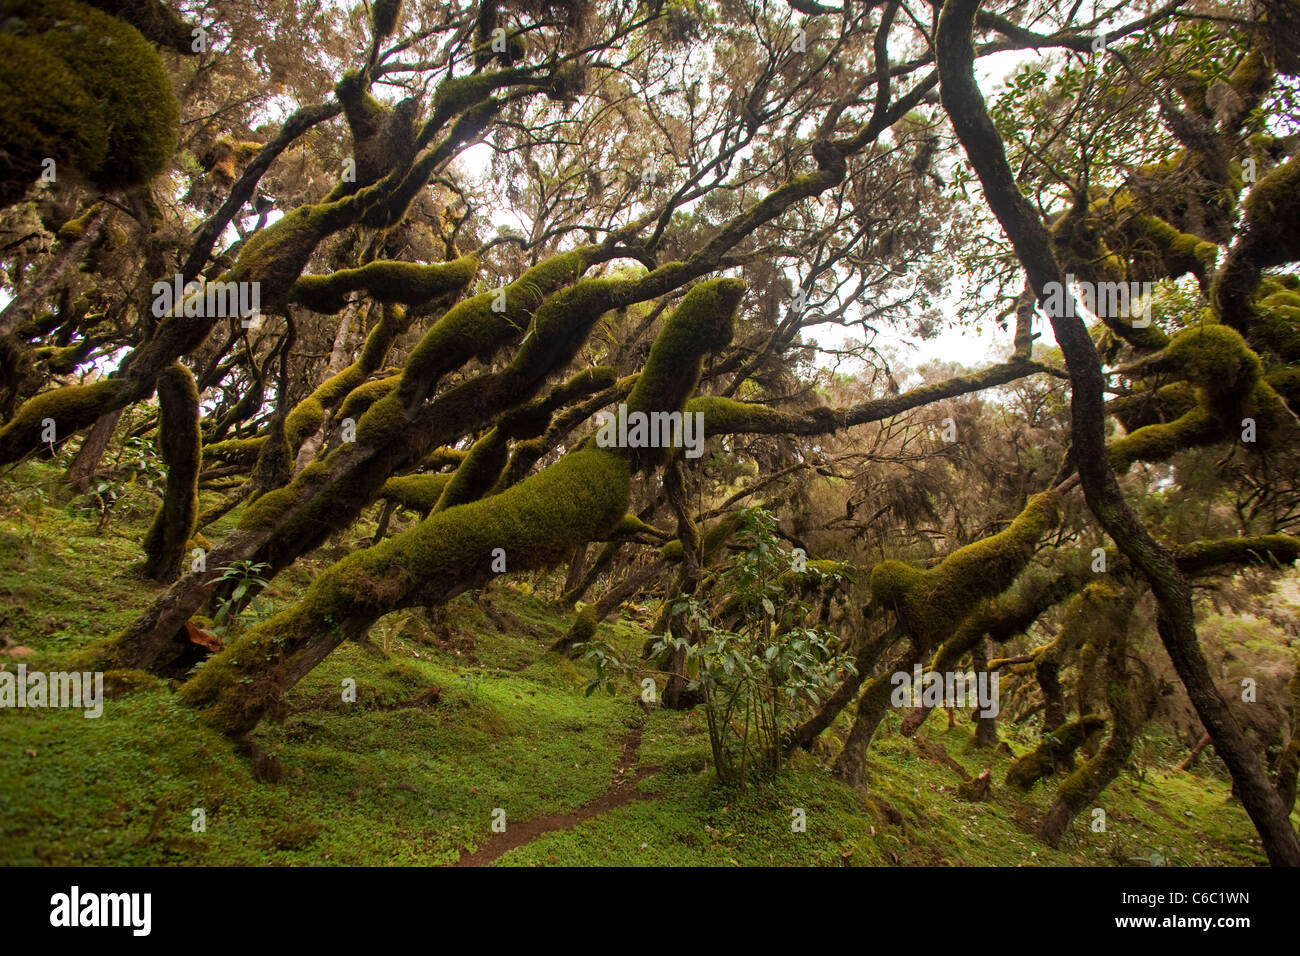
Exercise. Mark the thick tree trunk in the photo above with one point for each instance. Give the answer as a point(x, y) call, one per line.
point(91, 452)
point(850, 765)
point(964, 104)
point(179, 437)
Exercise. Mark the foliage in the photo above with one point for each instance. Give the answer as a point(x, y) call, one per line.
point(752, 655)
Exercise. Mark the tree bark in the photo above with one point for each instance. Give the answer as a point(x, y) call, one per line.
point(964, 104)
point(91, 452)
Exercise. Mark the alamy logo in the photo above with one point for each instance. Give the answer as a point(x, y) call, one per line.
point(55, 689)
point(103, 909)
point(1130, 300)
point(652, 430)
point(211, 300)
point(952, 689)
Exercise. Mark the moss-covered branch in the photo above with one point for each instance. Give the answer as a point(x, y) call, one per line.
point(1055, 753)
point(725, 416)
point(408, 283)
point(536, 523)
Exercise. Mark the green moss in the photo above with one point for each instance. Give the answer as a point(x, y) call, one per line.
point(702, 323)
point(536, 522)
point(1180, 252)
point(583, 629)
point(1252, 76)
point(385, 281)
point(726, 416)
point(363, 396)
point(478, 472)
point(417, 492)
point(383, 15)
point(472, 328)
point(632, 525)
point(711, 541)
point(1269, 550)
point(932, 602)
point(1228, 379)
point(444, 457)
point(1055, 753)
point(72, 407)
point(74, 228)
point(241, 451)
point(276, 255)
point(383, 422)
point(83, 88)
point(178, 430)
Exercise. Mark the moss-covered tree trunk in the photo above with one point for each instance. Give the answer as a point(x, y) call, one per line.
point(1132, 701)
point(964, 104)
point(178, 434)
point(851, 764)
point(536, 523)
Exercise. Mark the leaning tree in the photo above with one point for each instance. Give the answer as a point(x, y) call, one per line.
point(466, 228)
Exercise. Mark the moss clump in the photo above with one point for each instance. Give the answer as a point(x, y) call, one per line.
point(383, 15)
point(72, 407)
point(443, 457)
point(1167, 403)
point(310, 414)
point(73, 229)
point(710, 541)
point(275, 256)
point(478, 472)
point(583, 628)
point(238, 451)
point(83, 88)
point(362, 397)
point(931, 603)
point(417, 492)
point(702, 323)
point(632, 525)
point(1229, 383)
point(1055, 753)
point(1269, 550)
point(726, 416)
point(386, 281)
point(226, 156)
point(1179, 252)
point(473, 328)
point(178, 432)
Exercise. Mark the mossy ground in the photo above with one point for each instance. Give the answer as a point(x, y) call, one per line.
point(396, 778)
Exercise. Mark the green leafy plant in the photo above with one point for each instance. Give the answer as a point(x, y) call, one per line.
point(246, 575)
point(752, 653)
point(606, 665)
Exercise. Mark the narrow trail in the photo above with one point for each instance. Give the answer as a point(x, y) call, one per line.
point(622, 791)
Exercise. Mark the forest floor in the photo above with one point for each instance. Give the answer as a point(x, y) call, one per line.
point(410, 775)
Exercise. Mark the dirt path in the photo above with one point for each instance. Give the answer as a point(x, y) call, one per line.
point(622, 791)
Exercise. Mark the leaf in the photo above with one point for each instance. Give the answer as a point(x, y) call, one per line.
point(769, 608)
